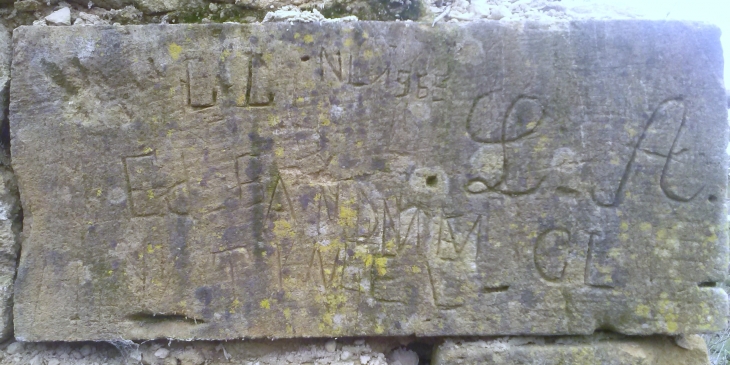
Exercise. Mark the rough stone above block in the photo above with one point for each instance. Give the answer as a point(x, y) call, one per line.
point(289, 180)
point(584, 351)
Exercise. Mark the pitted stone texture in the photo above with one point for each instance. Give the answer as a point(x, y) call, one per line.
point(9, 200)
point(6, 54)
point(9, 245)
point(250, 352)
point(584, 351)
point(331, 180)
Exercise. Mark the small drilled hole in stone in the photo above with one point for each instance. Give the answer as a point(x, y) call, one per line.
point(712, 198)
point(432, 180)
point(305, 58)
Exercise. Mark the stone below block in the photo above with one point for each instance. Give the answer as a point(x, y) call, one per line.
point(369, 179)
point(583, 351)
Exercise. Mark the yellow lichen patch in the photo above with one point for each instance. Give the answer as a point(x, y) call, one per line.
point(615, 253)
point(347, 216)
point(234, 305)
point(542, 144)
point(147, 150)
point(667, 312)
point(361, 252)
point(327, 319)
point(643, 310)
point(338, 272)
point(645, 227)
point(672, 325)
point(265, 304)
point(150, 194)
point(98, 192)
point(225, 54)
point(169, 133)
point(606, 270)
point(289, 329)
point(379, 329)
point(348, 42)
point(308, 38)
point(279, 151)
point(380, 264)
point(368, 261)
point(283, 228)
point(174, 50)
point(415, 269)
point(334, 244)
point(624, 226)
point(712, 237)
point(332, 303)
point(324, 120)
point(241, 101)
point(631, 131)
point(287, 313)
point(390, 245)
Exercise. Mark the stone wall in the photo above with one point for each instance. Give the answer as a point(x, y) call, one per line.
point(599, 278)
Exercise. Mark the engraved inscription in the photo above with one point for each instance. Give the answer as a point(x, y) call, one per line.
point(659, 137)
point(261, 79)
point(202, 83)
point(552, 249)
point(154, 188)
point(502, 134)
point(363, 179)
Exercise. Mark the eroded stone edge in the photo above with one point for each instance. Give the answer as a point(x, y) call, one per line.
point(597, 349)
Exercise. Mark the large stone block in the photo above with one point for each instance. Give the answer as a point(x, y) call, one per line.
point(285, 180)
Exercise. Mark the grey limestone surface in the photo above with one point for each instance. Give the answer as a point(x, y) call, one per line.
point(297, 180)
point(9, 200)
point(589, 351)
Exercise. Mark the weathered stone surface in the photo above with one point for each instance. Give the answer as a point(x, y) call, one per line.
point(9, 200)
point(9, 246)
point(372, 351)
point(369, 178)
point(584, 351)
point(6, 55)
